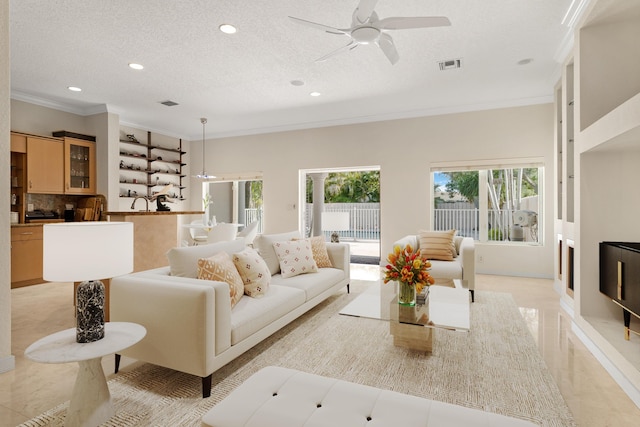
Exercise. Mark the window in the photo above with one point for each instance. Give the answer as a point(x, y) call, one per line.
point(501, 203)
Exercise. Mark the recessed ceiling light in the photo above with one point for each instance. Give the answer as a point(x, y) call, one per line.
point(228, 29)
point(315, 94)
point(135, 66)
point(74, 89)
point(297, 82)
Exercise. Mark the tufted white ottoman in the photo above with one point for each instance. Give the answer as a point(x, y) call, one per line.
point(281, 397)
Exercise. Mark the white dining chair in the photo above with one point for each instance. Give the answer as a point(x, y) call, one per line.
point(249, 233)
point(198, 235)
point(222, 232)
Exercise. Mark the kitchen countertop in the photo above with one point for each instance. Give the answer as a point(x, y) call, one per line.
point(153, 213)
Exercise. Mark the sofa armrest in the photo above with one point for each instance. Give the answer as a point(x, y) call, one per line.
point(468, 260)
point(188, 321)
point(340, 256)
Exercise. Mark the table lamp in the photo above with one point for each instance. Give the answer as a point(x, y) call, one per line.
point(334, 222)
point(87, 252)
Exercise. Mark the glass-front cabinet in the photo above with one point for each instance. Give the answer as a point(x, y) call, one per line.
point(79, 166)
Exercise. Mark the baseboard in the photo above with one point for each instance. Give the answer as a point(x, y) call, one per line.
point(616, 374)
point(7, 363)
point(566, 307)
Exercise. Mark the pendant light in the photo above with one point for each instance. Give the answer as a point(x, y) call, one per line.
point(203, 175)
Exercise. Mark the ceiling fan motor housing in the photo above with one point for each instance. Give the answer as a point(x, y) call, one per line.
point(365, 35)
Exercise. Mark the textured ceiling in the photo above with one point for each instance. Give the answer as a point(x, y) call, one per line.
point(241, 82)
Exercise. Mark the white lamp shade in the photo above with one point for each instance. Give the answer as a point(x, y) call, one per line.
point(335, 221)
point(93, 250)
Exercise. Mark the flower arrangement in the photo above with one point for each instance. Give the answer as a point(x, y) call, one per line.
point(409, 268)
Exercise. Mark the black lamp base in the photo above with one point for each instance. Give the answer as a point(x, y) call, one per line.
point(90, 311)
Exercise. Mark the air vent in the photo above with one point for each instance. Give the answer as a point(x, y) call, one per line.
point(450, 64)
point(168, 103)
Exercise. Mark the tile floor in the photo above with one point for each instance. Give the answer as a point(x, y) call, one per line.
point(591, 394)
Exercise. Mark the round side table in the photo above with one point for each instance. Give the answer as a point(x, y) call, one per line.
point(90, 403)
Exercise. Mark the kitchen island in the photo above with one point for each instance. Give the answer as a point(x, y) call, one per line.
point(154, 233)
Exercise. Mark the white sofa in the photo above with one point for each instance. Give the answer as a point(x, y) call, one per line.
point(281, 397)
point(462, 267)
point(190, 324)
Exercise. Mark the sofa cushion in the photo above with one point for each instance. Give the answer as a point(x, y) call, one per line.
point(437, 244)
point(312, 284)
point(220, 268)
point(295, 257)
point(183, 261)
point(253, 271)
point(251, 315)
point(320, 254)
point(264, 244)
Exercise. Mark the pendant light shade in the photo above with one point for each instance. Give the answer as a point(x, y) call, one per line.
point(203, 175)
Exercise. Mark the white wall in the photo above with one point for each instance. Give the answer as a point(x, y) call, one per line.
point(7, 361)
point(404, 150)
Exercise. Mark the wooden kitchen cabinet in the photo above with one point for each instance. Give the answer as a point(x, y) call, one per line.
point(26, 255)
point(45, 165)
point(79, 166)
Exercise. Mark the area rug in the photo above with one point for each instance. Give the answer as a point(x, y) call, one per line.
point(496, 367)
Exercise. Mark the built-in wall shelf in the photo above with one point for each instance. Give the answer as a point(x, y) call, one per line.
point(144, 163)
point(597, 156)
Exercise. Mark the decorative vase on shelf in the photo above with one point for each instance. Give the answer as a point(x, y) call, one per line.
point(406, 294)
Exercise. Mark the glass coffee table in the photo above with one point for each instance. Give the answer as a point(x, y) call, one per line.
point(413, 327)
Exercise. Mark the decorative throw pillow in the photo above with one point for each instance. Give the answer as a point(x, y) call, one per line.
point(253, 271)
point(437, 245)
point(296, 257)
point(220, 267)
point(320, 254)
point(264, 244)
point(183, 261)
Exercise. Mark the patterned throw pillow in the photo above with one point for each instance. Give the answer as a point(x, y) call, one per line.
point(296, 257)
point(220, 268)
point(437, 245)
point(320, 254)
point(253, 271)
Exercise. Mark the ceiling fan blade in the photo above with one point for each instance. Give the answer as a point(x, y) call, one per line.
point(324, 28)
point(398, 23)
point(385, 42)
point(350, 46)
point(363, 12)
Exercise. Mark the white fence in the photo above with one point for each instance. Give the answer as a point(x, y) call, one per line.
point(364, 220)
point(467, 223)
point(251, 215)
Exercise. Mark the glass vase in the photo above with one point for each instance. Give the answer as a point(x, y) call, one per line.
point(406, 294)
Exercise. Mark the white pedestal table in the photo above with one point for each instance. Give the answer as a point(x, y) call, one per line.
point(90, 403)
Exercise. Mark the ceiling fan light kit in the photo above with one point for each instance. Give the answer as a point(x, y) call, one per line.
point(366, 28)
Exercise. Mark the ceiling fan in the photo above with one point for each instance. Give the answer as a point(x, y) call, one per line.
point(367, 28)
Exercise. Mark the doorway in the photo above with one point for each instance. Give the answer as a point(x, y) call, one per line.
point(349, 210)
point(235, 201)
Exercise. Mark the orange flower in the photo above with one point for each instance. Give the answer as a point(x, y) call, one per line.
point(408, 266)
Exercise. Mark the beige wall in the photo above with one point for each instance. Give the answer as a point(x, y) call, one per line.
point(6, 359)
point(404, 150)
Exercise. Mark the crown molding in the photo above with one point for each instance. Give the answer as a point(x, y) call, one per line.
point(57, 105)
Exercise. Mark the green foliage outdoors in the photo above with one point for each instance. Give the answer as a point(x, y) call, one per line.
point(348, 187)
point(253, 194)
point(466, 184)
